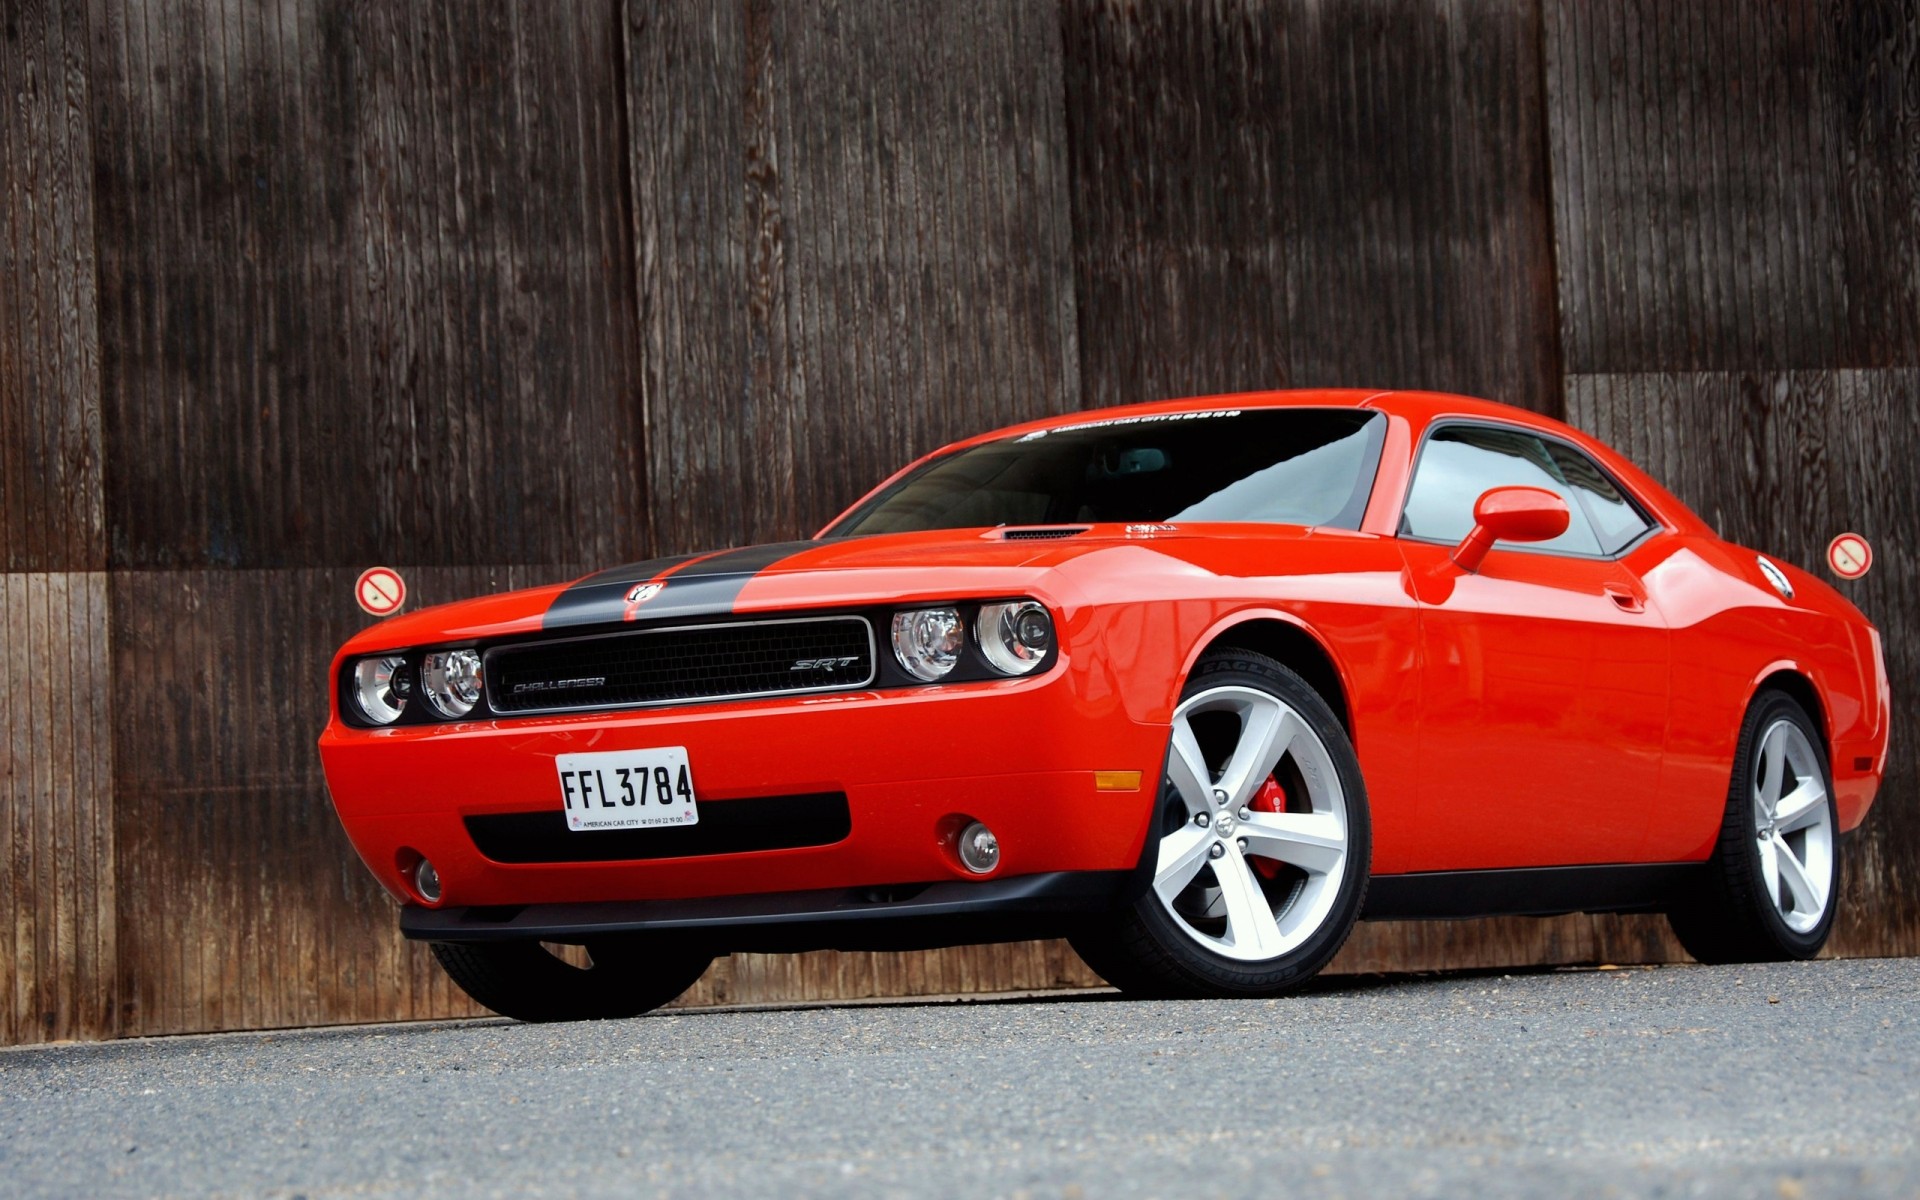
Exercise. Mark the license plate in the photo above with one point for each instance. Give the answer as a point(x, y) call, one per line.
point(627, 789)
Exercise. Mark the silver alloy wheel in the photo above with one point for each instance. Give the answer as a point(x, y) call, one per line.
point(1203, 877)
point(1793, 826)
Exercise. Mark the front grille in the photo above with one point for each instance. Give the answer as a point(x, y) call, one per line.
point(726, 827)
point(682, 664)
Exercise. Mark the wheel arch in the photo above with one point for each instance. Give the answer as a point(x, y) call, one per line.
point(1799, 684)
point(1291, 644)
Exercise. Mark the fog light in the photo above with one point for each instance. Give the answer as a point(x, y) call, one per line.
point(426, 881)
point(979, 849)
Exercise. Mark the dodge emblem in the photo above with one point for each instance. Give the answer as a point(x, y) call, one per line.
point(639, 594)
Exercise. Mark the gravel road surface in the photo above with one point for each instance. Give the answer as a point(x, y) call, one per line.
point(1781, 1081)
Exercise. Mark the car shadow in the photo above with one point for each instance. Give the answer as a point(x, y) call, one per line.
point(1324, 985)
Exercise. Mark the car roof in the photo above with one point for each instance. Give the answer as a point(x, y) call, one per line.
point(1416, 407)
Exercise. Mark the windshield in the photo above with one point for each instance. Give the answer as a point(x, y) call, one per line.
point(1296, 466)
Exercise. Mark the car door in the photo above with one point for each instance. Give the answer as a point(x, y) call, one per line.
point(1545, 674)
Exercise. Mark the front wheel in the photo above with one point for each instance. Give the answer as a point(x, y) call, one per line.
point(526, 981)
point(1260, 847)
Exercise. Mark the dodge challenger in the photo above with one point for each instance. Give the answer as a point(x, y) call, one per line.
point(1195, 684)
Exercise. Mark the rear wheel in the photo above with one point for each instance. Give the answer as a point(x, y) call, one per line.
point(526, 981)
point(1771, 883)
point(1260, 847)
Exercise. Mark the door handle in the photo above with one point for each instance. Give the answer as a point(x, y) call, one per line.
point(1624, 599)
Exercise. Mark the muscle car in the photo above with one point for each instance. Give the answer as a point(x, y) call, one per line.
point(1196, 684)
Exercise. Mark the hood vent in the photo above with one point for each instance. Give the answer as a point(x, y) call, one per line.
point(1036, 533)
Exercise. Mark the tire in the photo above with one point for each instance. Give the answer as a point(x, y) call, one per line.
point(1198, 929)
point(1774, 876)
point(524, 981)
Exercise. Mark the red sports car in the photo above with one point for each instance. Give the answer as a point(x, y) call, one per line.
point(1195, 684)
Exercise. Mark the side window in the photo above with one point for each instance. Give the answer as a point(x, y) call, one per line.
point(1460, 462)
point(1617, 522)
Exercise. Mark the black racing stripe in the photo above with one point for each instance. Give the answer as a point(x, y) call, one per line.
point(748, 560)
point(692, 588)
point(589, 594)
point(630, 572)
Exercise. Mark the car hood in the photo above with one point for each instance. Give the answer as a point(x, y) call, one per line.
point(835, 572)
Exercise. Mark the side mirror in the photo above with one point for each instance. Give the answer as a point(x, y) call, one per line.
point(1510, 514)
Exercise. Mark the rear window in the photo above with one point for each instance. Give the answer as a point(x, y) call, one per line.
point(1295, 466)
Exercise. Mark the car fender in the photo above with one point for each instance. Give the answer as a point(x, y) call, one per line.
point(1856, 748)
point(1814, 677)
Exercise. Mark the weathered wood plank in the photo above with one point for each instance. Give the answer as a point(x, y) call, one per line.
point(1696, 168)
point(58, 948)
point(837, 975)
point(1876, 112)
point(851, 244)
point(51, 499)
point(1518, 942)
point(1274, 195)
point(365, 276)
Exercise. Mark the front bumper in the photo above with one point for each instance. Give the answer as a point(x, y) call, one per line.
point(1020, 755)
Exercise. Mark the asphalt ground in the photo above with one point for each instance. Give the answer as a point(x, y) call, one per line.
point(1787, 1081)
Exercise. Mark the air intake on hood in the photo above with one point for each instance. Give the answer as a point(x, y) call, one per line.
point(1034, 533)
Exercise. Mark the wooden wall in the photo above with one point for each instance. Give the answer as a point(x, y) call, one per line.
point(852, 243)
point(496, 292)
point(1349, 194)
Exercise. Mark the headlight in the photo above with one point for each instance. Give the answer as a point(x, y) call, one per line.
point(380, 687)
point(927, 641)
point(450, 680)
point(1014, 637)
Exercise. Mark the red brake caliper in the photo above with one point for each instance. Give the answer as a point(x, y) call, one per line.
point(1271, 798)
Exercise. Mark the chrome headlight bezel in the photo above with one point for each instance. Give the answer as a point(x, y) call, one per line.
point(1015, 637)
point(928, 642)
point(452, 681)
point(380, 685)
